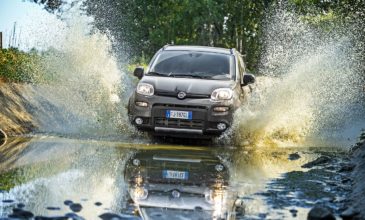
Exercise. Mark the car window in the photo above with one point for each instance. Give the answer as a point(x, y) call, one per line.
point(194, 64)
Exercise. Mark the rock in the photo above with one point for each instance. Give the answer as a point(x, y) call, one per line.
point(349, 214)
point(21, 214)
point(53, 208)
point(294, 156)
point(320, 213)
point(319, 161)
point(110, 216)
point(16, 210)
point(293, 212)
point(98, 203)
point(21, 205)
point(51, 218)
point(76, 207)
point(67, 202)
point(346, 180)
point(74, 216)
point(347, 168)
point(8, 201)
point(331, 167)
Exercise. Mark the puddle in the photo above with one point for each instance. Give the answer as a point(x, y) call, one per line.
point(55, 177)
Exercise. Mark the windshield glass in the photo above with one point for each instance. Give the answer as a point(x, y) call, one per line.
point(193, 64)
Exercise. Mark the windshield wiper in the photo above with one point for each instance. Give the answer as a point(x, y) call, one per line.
point(191, 75)
point(156, 74)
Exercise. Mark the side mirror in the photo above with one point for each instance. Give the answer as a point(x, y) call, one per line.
point(138, 72)
point(248, 79)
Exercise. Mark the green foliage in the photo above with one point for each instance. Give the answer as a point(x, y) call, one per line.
point(20, 175)
point(50, 5)
point(19, 66)
point(142, 27)
point(8, 180)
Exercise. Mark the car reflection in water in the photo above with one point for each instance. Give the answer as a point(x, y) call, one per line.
point(180, 184)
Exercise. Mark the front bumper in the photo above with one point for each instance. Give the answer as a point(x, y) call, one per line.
point(204, 119)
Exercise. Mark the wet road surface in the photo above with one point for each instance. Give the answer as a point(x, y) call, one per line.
point(85, 179)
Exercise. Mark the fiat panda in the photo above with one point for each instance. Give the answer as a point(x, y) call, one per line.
point(189, 91)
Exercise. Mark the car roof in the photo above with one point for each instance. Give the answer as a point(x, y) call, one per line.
point(198, 48)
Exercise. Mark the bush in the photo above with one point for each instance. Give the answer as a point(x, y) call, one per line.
point(19, 66)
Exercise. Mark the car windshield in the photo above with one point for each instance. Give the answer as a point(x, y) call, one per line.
point(193, 65)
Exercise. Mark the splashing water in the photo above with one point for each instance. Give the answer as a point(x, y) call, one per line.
point(86, 83)
point(310, 91)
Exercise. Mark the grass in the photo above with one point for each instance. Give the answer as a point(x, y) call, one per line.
point(8, 180)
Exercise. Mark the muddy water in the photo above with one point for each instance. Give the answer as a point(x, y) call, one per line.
point(150, 181)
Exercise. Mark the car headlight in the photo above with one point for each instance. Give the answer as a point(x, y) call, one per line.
point(222, 94)
point(145, 89)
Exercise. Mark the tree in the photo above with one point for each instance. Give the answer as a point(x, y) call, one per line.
point(142, 27)
point(50, 5)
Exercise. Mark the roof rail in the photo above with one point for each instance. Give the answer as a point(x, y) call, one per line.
point(164, 47)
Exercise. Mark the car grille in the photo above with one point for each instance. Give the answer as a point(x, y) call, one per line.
point(180, 106)
point(179, 123)
point(188, 95)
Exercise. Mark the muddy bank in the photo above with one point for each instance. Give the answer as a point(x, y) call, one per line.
point(26, 108)
point(15, 117)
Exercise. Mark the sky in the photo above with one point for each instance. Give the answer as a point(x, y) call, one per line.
point(32, 23)
point(18, 11)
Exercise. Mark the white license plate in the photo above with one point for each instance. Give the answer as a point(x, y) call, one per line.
point(172, 174)
point(179, 114)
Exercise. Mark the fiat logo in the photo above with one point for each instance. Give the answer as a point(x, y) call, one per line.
point(181, 95)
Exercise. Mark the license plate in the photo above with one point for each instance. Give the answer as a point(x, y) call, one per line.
point(172, 174)
point(179, 114)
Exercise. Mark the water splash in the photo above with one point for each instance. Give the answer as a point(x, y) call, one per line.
point(310, 90)
point(84, 78)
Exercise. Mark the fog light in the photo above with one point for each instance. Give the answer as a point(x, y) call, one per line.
point(219, 167)
point(221, 126)
point(221, 109)
point(140, 193)
point(136, 162)
point(138, 121)
point(142, 104)
point(175, 194)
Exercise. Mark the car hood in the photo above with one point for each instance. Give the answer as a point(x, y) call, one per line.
point(188, 85)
